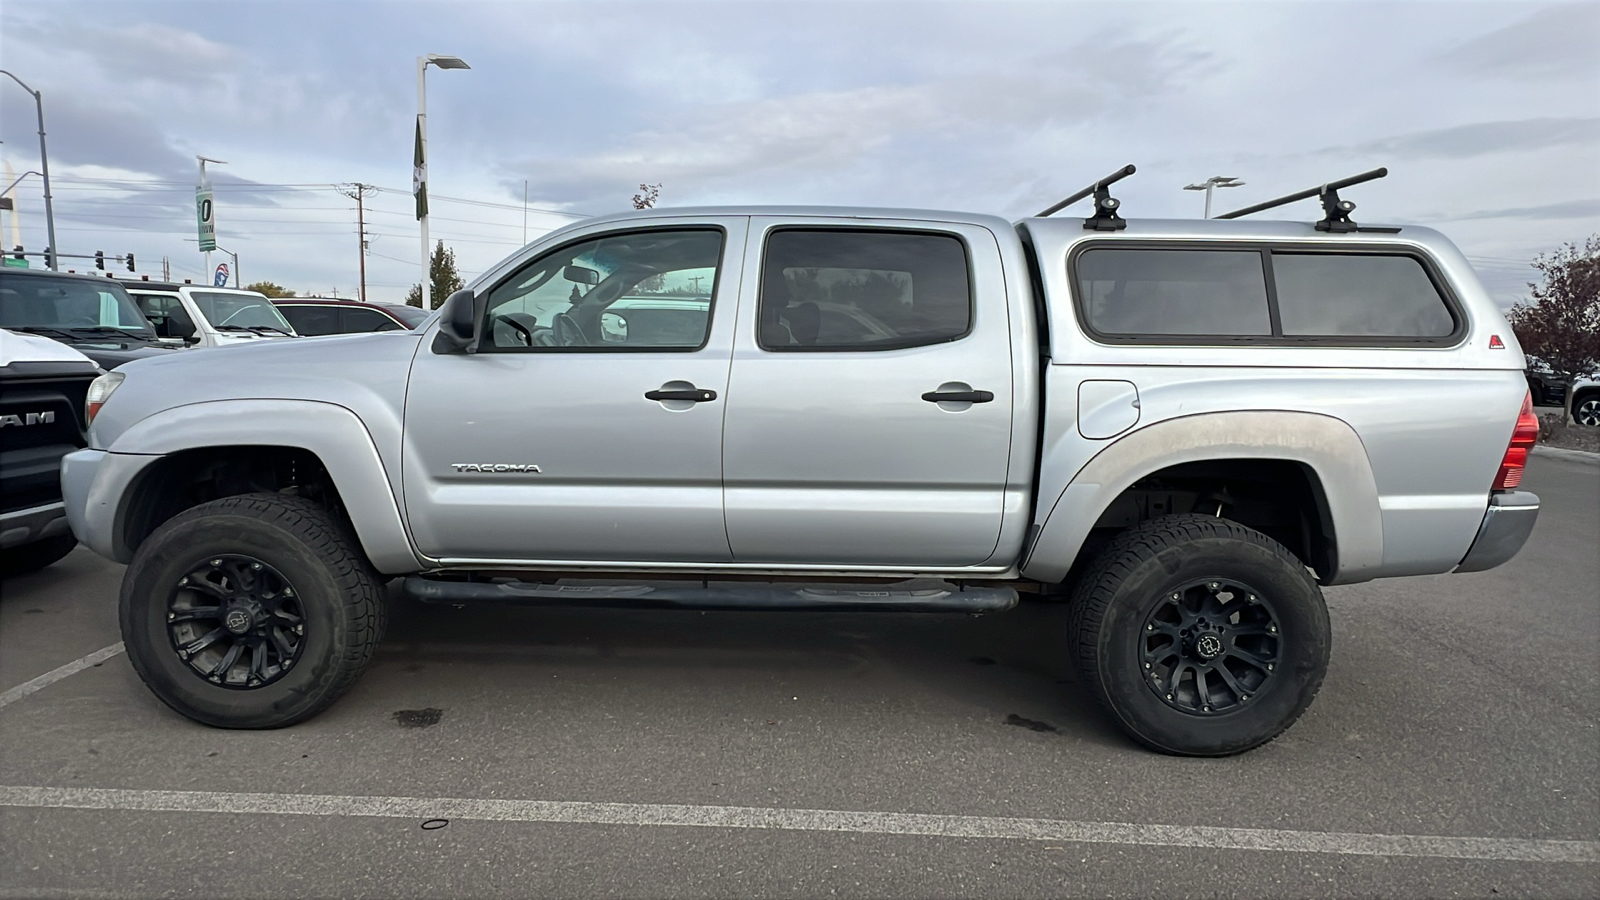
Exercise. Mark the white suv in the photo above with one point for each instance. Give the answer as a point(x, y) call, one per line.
point(209, 316)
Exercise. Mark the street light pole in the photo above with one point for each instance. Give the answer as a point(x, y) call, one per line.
point(44, 163)
point(237, 281)
point(1215, 181)
point(419, 176)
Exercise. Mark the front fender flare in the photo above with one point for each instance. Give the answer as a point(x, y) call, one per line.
point(335, 434)
point(1329, 446)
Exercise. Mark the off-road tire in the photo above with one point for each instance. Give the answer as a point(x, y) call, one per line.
point(35, 556)
point(1133, 575)
point(339, 595)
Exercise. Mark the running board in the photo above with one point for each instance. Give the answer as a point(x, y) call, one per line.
point(920, 595)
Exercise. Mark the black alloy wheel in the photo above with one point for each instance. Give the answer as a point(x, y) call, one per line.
point(236, 622)
point(1200, 636)
point(252, 611)
point(1209, 646)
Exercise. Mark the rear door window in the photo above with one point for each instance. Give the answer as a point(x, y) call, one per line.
point(1131, 292)
point(1358, 295)
point(861, 289)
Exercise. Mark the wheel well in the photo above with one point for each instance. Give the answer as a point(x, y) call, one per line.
point(1280, 498)
point(188, 478)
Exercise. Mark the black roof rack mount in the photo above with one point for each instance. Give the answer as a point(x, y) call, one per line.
point(1105, 216)
point(1336, 211)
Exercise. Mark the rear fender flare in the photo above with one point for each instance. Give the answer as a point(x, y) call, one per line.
point(1329, 446)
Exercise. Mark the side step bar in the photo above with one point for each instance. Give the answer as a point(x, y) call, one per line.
point(921, 595)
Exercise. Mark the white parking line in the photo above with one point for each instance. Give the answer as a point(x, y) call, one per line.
point(55, 675)
point(1055, 830)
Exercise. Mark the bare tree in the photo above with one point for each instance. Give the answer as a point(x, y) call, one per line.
point(647, 196)
point(1561, 324)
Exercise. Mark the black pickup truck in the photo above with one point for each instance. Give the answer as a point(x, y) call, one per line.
point(43, 388)
point(95, 316)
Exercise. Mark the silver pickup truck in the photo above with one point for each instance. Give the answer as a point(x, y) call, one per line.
point(1182, 428)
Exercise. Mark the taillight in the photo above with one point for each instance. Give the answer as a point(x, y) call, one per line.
point(100, 391)
point(1523, 438)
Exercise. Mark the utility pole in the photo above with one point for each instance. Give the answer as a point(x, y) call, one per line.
point(358, 193)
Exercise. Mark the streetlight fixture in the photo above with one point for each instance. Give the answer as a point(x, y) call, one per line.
point(44, 163)
point(1215, 181)
point(237, 282)
point(419, 173)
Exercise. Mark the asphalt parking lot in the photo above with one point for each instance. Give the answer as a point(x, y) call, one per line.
point(1453, 751)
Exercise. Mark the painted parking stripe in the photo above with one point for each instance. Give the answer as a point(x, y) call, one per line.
point(817, 820)
point(55, 675)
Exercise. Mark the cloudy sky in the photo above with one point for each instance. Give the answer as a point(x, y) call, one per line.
point(1487, 115)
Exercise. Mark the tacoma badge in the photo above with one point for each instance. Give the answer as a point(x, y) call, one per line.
point(496, 467)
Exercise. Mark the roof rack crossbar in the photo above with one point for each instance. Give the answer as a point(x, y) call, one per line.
point(1336, 212)
point(1105, 216)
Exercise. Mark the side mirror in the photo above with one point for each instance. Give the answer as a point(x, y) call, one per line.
point(458, 323)
point(181, 328)
point(581, 275)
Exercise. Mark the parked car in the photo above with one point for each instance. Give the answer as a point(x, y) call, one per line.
point(321, 315)
point(1586, 402)
point(1185, 427)
point(43, 384)
point(411, 315)
point(1546, 388)
point(92, 315)
point(209, 316)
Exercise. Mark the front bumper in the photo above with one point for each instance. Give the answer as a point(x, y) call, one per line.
point(94, 485)
point(1506, 526)
point(24, 526)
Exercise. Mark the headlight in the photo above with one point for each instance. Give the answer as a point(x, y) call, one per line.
point(101, 389)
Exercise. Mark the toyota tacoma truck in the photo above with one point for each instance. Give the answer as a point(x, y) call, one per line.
point(1184, 429)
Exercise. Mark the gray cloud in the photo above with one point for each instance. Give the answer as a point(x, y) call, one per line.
point(1555, 41)
point(1481, 138)
point(1569, 209)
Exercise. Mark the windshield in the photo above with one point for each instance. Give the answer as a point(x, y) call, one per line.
point(239, 310)
point(80, 306)
point(411, 315)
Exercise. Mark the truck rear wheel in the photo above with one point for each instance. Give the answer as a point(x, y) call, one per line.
point(1200, 636)
point(253, 611)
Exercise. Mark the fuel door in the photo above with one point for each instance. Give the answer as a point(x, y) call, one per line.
point(1107, 408)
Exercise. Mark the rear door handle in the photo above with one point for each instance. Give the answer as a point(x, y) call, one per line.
point(693, 395)
point(958, 396)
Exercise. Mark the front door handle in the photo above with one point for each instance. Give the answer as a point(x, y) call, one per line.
point(693, 395)
point(958, 396)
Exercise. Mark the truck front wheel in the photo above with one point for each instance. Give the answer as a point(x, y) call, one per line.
point(1201, 637)
point(253, 611)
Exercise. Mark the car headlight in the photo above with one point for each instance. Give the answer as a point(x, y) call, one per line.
point(101, 389)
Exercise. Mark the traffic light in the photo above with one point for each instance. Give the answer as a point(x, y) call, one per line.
point(16, 252)
point(100, 260)
point(130, 262)
point(50, 257)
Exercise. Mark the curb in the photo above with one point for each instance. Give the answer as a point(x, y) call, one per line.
point(1578, 456)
